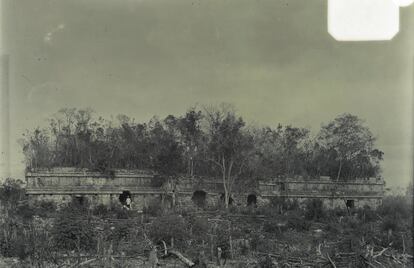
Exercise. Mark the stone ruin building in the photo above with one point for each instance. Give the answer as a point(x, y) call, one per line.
point(62, 185)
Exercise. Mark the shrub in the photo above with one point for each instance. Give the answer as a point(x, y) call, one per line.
point(17, 240)
point(154, 208)
point(367, 214)
point(390, 223)
point(200, 227)
point(395, 206)
point(270, 227)
point(45, 208)
point(77, 207)
point(48, 206)
point(25, 211)
point(266, 262)
point(337, 212)
point(72, 231)
point(223, 239)
point(297, 222)
point(121, 213)
point(11, 192)
point(314, 209)
point(255, 240)
point(118, 232)
point(12, 242)
point(284, 204)
point(350, 222)
point(234, 209)
point(101, 210)
point(167, 227)
point(18, 248)
point(158, 181)
point(260, 243)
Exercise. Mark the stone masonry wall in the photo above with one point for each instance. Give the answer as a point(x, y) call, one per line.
point(61, 185)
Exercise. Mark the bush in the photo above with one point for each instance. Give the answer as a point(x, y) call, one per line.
point(101, 210)
point(12, 242)
point(297, 222)
point(337, 212)
point(11, 192)
point(120, 231)
point(200, 227)
point(158, 181)
point(223, 239)
point(18, 248)
point(349, 222)
point(71, 230)
point(271, 227)
point(390, 223)
point(169, 226)
point(284, 204)
point(396, 206)
point(76, 207)
point(261, 243)
point(154, 208)
point(266, 262)
point(22, 241)
point(314, 209)
point(45, 208)
point(121, 213)
point(367, 214)
point(25, 211)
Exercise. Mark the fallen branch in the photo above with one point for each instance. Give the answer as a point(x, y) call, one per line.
point(369, 264)
point(188, 262)
point(318, 249)
point(380, 253)
point(331, 261)
point(165, 247)
point(83, 263)
point(396, 260)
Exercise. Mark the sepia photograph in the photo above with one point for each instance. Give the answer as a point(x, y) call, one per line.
point(206, 133)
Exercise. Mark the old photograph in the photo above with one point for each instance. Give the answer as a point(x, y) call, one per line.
point(206, 133)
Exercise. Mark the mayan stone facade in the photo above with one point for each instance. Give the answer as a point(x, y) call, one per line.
point(62, 185)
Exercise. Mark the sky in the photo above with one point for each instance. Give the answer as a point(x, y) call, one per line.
point(273, 59)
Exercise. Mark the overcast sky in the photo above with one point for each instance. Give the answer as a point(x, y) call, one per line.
point(272, 59)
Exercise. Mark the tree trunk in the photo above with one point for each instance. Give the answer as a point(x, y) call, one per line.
point(192, 167)
point(228, 185)
point(226, 203)
point(339, 170)
point(226, 198)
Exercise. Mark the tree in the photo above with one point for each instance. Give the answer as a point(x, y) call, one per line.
point(36, 148)
point(282, 151)
point(11, 191)
point(293, 141)
point(190, 130)
point(165, 151)
point(229, 146)
point(350, 145)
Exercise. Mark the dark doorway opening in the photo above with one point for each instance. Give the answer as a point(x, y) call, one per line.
point(123, 197)
point(350, 203)
point(222, 199)
point(252, 200)
point(199, 198)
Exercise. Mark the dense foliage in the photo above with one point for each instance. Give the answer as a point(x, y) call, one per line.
point(213, 142)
